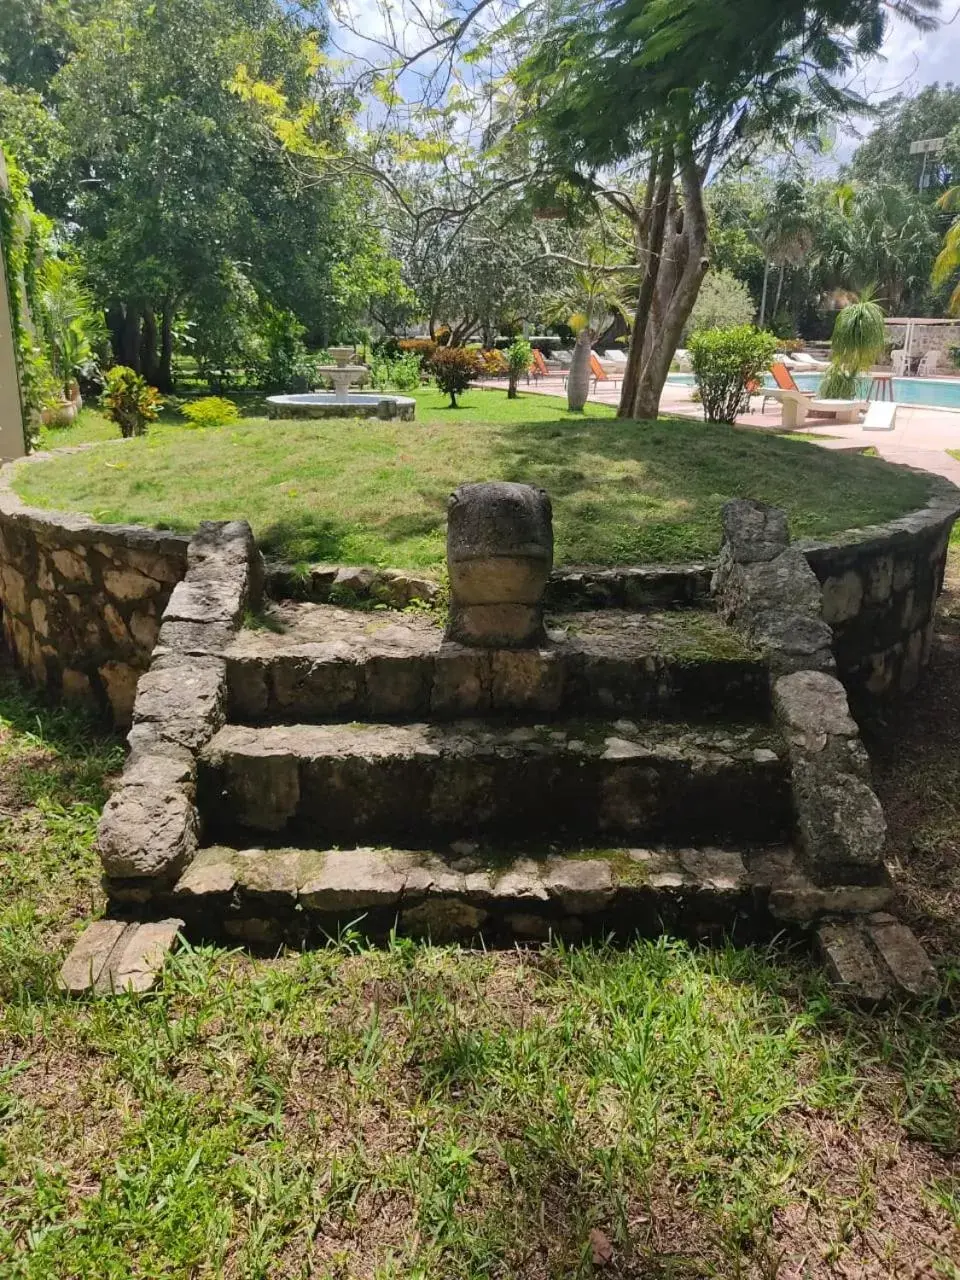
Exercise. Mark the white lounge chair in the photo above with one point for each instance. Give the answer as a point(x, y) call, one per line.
point(795, 406)
point(929, 364)
point(881, 416)
point(898, 360)
point(801, 360)
point(682, 357)
point(614, 356)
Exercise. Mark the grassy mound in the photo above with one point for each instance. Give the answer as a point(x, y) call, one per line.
point(375, 493)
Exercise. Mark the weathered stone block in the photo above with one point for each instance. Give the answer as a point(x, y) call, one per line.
point(148, 831)
point(580, 885)
point(850, 962)
point(185, 697)
point(136, 964)
point(89, 955)
point(128, 584)
point(842, 597)
point(813, 704)
point(526, 680)
point(461, 681)
point(499, 554)
point(350, 880)
point(72, 565)
point(903, 955)
point(120, 684)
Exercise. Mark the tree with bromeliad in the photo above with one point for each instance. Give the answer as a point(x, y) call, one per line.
point(637, 103)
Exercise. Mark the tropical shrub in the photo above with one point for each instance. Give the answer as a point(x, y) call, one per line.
point(859, 338)
point(401, 373)
point(519, 357)
point(725, 363)
point(494, 363)
point(454, 368)
point(955, 356)
point(423, 347)
point(129, 400)
point(210, 411)
point(723, 302)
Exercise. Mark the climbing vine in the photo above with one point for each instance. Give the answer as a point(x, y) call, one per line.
point(24, 235)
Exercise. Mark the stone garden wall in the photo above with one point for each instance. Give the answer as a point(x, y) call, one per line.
point(880, 588)
point(82, 601)
point(928, 337)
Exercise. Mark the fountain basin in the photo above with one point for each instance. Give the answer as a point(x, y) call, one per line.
point(325, 404)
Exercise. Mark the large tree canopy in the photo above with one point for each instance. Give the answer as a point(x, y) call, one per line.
point(683, 88)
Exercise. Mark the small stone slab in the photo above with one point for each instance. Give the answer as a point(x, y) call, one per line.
point(850, 962)
point(113, 956)
point(136, 963)
point(903, 955)
point(89, 956)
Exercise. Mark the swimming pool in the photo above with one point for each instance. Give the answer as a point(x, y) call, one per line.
point(933, 393)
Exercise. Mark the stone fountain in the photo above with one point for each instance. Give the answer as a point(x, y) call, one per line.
point(343, 402)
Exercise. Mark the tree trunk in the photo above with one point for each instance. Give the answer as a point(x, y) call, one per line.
point(148, 347)
point(512, 385)
point(671, 295)
point(578, 379)
point(128, 352)
point(763, 293)
point(165, 366)
point(776, 301)
point(650, 245)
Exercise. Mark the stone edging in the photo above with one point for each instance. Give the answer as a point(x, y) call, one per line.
point(765, 586)
point(149, 829)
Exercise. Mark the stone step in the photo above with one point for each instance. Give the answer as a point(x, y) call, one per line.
point(320, 662)
point(373, 781)
point(274, 895)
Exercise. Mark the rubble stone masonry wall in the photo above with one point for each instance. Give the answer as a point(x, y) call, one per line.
point(880, 588)
point(82, 601)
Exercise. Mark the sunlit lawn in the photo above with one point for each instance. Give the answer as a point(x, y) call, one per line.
point(374, 492)
point(425, 1113)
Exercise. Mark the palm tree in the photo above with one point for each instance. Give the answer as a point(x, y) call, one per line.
point(947, 264)
point(785, 236)
point(588, 303)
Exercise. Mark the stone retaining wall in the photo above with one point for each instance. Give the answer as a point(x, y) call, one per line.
point(880, 588)
point(82, 601)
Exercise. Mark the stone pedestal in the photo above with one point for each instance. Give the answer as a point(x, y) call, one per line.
point(499, 554)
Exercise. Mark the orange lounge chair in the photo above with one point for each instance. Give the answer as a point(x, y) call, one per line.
point(598, 372)
point(538, 366)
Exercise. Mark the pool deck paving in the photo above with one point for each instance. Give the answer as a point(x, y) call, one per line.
point(920, 439)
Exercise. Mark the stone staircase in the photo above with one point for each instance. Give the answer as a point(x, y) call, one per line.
point(623, 776)
point(632, 760)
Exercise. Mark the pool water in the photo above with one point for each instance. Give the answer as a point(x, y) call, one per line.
point(935, 393)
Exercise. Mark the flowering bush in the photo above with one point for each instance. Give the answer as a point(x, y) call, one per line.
point(494, 363)
point(423, 347)
point(130, 401)
point(454, 368)
point(210, 411)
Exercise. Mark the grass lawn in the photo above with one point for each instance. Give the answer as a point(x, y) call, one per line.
point(427, 1113)
point(372, 492)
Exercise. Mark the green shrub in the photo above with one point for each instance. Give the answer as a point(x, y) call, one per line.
point(725, 363)
point(210, 411)
point(454, 369)
point(519, 356)
point(401, 373)
point(129, 400)
point(723, 302)
point(955, 356)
